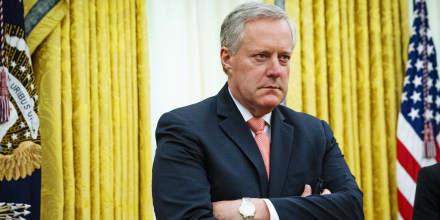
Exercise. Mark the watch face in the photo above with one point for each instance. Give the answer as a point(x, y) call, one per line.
point(247, 209)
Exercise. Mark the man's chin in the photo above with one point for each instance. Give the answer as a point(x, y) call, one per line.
point(270, 105)
point(272, 101)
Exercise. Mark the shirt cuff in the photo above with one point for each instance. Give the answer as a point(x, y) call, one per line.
point(273, 213)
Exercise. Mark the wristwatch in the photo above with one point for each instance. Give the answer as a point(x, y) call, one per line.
point(247, 208)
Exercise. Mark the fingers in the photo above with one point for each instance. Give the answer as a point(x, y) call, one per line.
point(326, 192)
point(307, 191)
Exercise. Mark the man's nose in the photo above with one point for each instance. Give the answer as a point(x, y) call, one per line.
point(274, 67)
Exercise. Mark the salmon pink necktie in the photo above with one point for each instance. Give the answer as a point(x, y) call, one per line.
point(257, 126)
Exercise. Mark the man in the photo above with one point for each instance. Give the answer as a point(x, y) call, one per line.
point(211, 163)
point(427, 199)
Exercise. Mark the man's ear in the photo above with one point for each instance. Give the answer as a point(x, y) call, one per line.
point(225, 57)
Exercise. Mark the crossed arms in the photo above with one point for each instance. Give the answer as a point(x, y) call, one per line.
point(192, 179)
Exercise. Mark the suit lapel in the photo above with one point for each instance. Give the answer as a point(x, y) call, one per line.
point(237, 129)
point(280, 151)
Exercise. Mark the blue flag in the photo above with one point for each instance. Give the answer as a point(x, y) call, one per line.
point(20, 150)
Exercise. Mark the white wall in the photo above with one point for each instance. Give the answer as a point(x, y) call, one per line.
point(184, 51)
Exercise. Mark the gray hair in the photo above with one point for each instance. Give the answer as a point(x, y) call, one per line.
point(231, 32)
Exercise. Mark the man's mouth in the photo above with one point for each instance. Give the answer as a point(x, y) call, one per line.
point(271, 87)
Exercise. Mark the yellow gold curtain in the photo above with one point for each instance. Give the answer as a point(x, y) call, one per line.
point(92, 71)
point(347, 69)
point(269, 1)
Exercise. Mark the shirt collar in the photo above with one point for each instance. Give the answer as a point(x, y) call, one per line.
point(246, 114)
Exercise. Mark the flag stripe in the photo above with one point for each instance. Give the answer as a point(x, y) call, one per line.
point(405, 208)
point(405, 184)
point(409, 164)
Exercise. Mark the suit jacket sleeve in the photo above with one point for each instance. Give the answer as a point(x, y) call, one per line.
point(345, 202)
point(180, 186)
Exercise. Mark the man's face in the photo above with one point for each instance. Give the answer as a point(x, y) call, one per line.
point(258, 72)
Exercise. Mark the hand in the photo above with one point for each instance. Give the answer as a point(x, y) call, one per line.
point(326, 192)
point(308, 191)
point(228, 210)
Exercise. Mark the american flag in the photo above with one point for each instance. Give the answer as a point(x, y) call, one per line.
point(419, 119)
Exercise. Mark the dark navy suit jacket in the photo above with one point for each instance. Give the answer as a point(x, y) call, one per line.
point(427, 199)
point(206, 153)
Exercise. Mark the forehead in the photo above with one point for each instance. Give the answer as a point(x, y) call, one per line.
point(263, 32)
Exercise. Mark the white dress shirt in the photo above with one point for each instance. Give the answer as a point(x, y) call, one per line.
point(247, 115)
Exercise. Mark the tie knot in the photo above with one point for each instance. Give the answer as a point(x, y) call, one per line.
point(256, 124)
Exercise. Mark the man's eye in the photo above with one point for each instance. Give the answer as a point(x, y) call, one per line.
point(285, 58)
point(261, 55)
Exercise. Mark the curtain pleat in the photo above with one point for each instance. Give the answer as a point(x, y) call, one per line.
point(333, 54)
point(52, 143)
point(354, 164)
point(79, 35)
point(364, 105)
point(306, 37)
point(379, 150)
point(391, 101)
point(66, 128)
point(400, 40)
point(123, 68)
point(347, 101)
point(94, 114)
point(143, 111)
point(294, 96)
point(347, 69)
point(94, 92)
point(320, 62)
